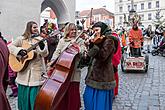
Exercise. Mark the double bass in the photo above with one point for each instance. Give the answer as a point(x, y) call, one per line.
point(55, 87)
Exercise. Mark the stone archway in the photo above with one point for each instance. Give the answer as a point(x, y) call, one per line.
point(16, 13)
point(60, 9)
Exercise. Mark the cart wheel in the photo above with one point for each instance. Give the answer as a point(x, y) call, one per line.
point(147, 62)
point(122, 61)
point(163, 53)
point(154, 52)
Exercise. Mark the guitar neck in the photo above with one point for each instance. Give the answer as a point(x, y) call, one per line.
point(35, 45)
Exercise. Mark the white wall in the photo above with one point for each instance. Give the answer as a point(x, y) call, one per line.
point(16, 13)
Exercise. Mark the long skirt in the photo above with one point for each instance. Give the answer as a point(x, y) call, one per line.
point(95, 99)
point(117, 84)
point(71, 100)
point(27, 96)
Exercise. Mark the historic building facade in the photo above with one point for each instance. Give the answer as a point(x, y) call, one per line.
point(95, 15)
point(147, 9)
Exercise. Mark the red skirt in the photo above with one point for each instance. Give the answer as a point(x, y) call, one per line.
point(71, 100)
point(117, 83)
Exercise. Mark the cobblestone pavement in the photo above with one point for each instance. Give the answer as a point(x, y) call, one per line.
point(137, 91)
point(140, 91)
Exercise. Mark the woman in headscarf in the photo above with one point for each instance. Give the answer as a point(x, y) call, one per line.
point(100, 81)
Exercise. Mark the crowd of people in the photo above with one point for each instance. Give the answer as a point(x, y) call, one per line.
point(148, 41)
point(99, 48)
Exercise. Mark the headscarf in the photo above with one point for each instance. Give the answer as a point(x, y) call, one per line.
point(103, 26)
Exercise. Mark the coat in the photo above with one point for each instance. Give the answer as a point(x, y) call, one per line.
point(31, 76)
point(117, 55)
point(63, 43)
point(100, 73)
point(4, 54)
point(135, 38)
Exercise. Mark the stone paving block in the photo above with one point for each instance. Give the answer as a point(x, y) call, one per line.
point(153, 108)
point(127, 108)
point(134, 108)
point(141, 107)
point(128, 104)
point(162, 107)
point(154, 102)
point(145, 93)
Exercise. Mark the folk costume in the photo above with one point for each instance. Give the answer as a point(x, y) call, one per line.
point(29, 80)
point(136, 41)
point(100, 81)
point(71, 99)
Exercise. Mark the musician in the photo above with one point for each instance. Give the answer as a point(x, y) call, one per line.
point(136, 40)
point(4, 54)
point(100, 81)
point(71, 100)
point(52, 42)
point(29, 80)
point(116, 61)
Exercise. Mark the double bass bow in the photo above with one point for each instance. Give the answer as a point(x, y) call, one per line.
point(55, 87)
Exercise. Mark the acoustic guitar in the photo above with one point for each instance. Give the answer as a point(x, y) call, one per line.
point(18, 63)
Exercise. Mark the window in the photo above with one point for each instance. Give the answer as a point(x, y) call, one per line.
point(135, 7)
point(96, 19)
point(157, 4)
point(120, 19)
point(142, 17)
point(142, 6)
point(77, 14)
point(129, 7)
point(149, 16)
point(149, 5)
point(157, 15)
point(120, 9)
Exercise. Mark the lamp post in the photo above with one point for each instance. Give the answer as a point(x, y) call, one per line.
point(125, 23)
point(91, 16)
point(132, 11)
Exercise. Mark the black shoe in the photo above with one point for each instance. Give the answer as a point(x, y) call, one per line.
point(11, 95)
